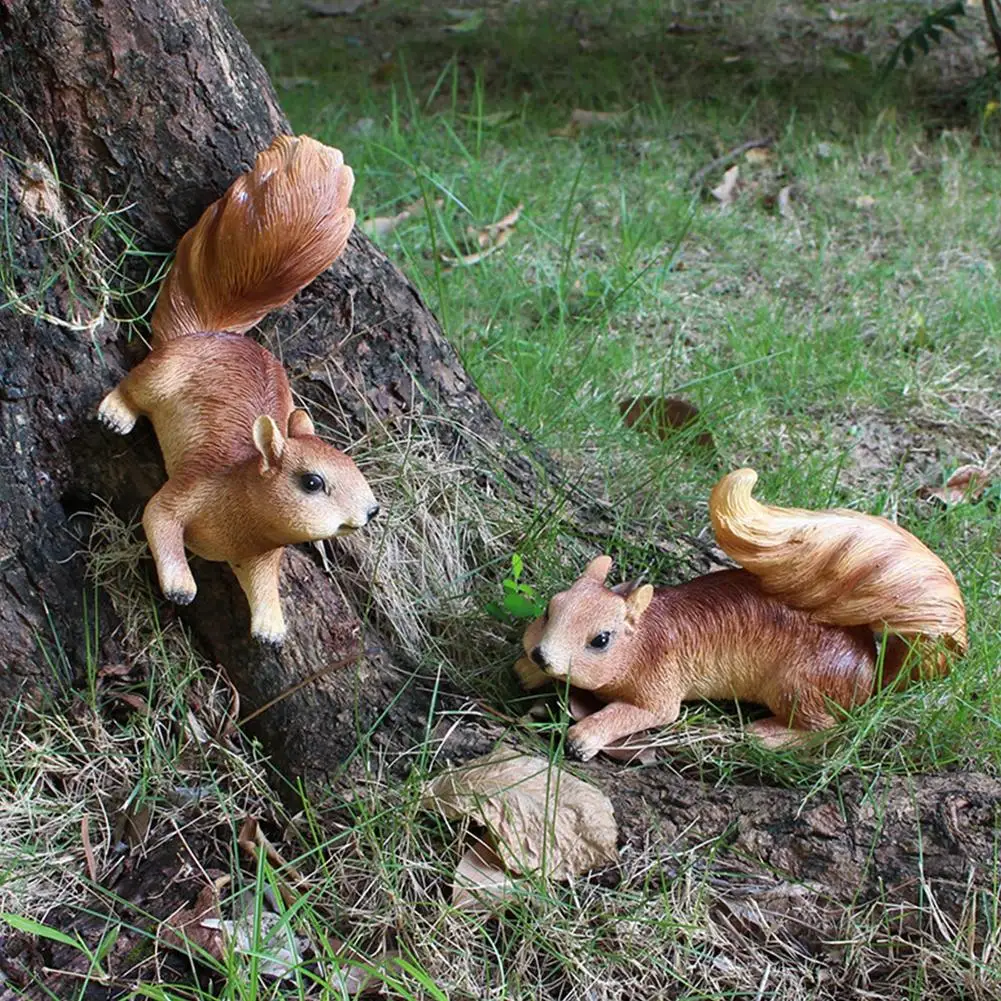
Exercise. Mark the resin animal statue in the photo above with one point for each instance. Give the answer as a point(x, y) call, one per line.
point(829, 606)
point(246, 473)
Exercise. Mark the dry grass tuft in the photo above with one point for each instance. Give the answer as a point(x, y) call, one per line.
point(153, 738)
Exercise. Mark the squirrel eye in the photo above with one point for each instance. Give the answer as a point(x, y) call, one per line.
point(600, 641)
point(311, 482)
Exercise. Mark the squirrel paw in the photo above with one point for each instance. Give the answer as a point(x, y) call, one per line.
point(180, 596)
point(273, 639)
point(582, 746)
point(268, 629)
point(115, 414)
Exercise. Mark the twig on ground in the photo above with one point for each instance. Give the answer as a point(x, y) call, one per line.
point(698, 178)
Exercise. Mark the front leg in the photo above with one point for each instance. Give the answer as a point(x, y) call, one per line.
point(118, 412)
point(164, 519)
point(610, 723)
point(258, 577)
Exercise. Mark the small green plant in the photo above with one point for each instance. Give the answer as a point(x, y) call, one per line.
point(929, 30)
point(520, 600)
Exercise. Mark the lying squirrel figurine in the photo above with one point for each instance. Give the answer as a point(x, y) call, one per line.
point(246, 473)
point(799, 629)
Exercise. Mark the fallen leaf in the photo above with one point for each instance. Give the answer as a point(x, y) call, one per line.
point(581, 118)
point(865, 202)
point(135, 825)
point(758, 156)
point(131, 699)
point(785, 203)
point(663, 416)
point(488, 236)
point(726, 191)
point(184, 928)
point(489, 239)
point(267, 937)
point(467, 259)
point(535, 813)
point(966, 485)
point(382, 226)
point(114, 671)
point(480, 883)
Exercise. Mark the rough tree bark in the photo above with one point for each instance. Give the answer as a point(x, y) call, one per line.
point(157, 104)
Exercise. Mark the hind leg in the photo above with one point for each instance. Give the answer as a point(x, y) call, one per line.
point(158, 376)
point(799, 711)
point(118, 412)
point(776, 733)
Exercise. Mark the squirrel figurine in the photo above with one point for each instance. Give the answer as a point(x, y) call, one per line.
point(247, 474)
point(800, 629)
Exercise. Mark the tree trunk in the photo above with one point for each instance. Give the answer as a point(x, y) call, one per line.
point(157, 106)
point(154, 106)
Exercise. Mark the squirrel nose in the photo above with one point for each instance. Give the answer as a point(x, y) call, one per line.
point(371, 513)
point(538, 656)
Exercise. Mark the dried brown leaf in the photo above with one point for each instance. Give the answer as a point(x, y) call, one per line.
point(114, 671)
point(480, 883)
point(184, 930)
point(535, 813)
point(489, 235)
point(758, 156)
point(663, 416)
point(726, 191)
point(131, 699)
point(135, 825)
point(465, 260)
point(966, 485)
point(381, 226)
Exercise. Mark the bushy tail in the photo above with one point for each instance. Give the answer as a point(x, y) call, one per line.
point(844, 567)
point(276, 228)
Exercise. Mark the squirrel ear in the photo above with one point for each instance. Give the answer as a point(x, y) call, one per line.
point(598, 568)
point(269, 442)
point(637, 602)
point(300, 424)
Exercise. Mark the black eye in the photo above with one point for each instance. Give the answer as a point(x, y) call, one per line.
point(312, 483)
point(600, 641)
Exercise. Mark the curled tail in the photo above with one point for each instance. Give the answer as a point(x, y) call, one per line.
point(277, 227)
point(844, 567)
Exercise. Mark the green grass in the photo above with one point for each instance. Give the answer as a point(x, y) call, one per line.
point(849, 352)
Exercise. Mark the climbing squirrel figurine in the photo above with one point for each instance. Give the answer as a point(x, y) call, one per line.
point(247, 474)
point(830, 605)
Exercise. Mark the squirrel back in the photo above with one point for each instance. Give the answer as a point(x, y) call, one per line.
point(277, 227)
point(843, 567)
